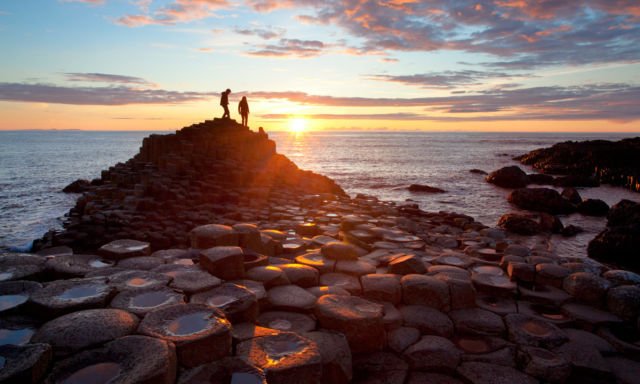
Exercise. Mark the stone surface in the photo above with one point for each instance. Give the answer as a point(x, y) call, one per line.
point(401, 338)
point(14, 295)
point(427, 320)
point(290, 297)
point(122, 249)
point(134, 280)
point(238, 303)
point(433, 353)
point(425, 290)
point(24, 364)
point(508, 177)
point(194, 281)
point(140, 302)
point(382, 287)
point(476, 321)
point(64, 296)
point(544, 365)
point(407, 264)
point(335, 354)
point(225, 262)
point(483, 373)
point(624, 301)
point(379, 368)
point(586, 287)
point(540, 200)
point(337, 250)
point(287, 321)
point(532, 331)
point(212, 235)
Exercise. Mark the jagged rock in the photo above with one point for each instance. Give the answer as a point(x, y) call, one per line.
point(508, 177)
point(433, 353)
point(336, 356)
point(541, 200)
point(225, 262)
point(24, 364)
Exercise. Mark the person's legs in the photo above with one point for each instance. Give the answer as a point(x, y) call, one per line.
point(245, 119)
point(226, 112)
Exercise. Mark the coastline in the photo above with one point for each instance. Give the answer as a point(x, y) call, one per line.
point(410, 291)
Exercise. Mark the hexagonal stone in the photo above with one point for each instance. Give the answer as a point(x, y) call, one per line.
point(145, 263)
point(140, 302)
point(379, 368)
point(133, 280)
point(287, 321)
point(483, 373)
point(355, 267)
point(66, 266)
point(335, 354)
point(285, 358)
point(427, 320)
point(225, 262)
point(136, 359)
point(551, 274)
point(382, 287)
point(580, 336)
point(269, 275)
point(532, 331)
point(544, 294)
point(226, 370)
point(462, 293)
point(290, 297)
point(79, 330)
point(544, 365)
point(624, 301)
point(360, 320)
point(248, 236)
point(587, 364)
point(317, 261)
point(401, 338)
point(122, 249)
point(300, 274)
point(212, 235)
point(433, 353)
point(255, 287)
point(327, 290)
point(347, 282)
point(337, 250)
point(406, 265)
point(194, 281)
point(500, 305)
point(15, 294)
point(586, 287)
point(16, 266)
point(476, 321)
point(201, 334)
point(64, 296)
point(492, 284)
point(550, 313)
point(425, 290)
point(589, 317)
point(238, 303)
point(24, 364)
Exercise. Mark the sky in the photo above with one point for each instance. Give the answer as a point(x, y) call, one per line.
point(453, 65)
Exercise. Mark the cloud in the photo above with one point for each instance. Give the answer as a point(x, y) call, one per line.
point(120, 95)
point(353, 116)
point(443, 80)
point(290, 47)
point(84, 1)
point(264, 33)
point(107, 78)
point(179, 11)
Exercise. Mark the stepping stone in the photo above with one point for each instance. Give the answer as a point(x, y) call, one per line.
point(255, 287)
point(355, 267)
point(226, 370)
point(145, 263)
point(172, 270)
point(290, 298)
point(425, 290)
point(238, 303)
point(24, 364)
point(360, 320)
point(201, 334)
point(586, 287)
point(433, 353)
point(212, 235)
point(248, 236)
point(67, 266)
point(379, 368)
point(285, 358)
point(476, 321)
point(382, 287)
point(335, 355)
point(532, 331)
point(406, 265)
point(287, 321)
point(492, 284)
point(487, 270)
point(317, 261)
point(451, 271)
point(225, 262)
point(80, 330)
point(301, 275)
point(134, 280)
point(517, 250)
point(142, 301)
point(17, 266)
point(64, 296)
point(328, 290)
point(427, 320)
point(15, 294)
point(521, 272)
point(322, 240)
point(347, 282)
point(122, 249)
point(461, 291)
point(544, 365)
point(454, 259)
point(337, 250)
point(134, 359)
point(194, 281)
point(588, 317)
point(270, 276)
point(551, 274)
point(401, 338)
point(483, 373)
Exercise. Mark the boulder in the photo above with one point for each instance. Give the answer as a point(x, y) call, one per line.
point(540, 200)
point(520, 224)
point(572, 195)
point(593, 207)
point(509, 177)
point(624, 301)
point(401, 338)
point(619, 242)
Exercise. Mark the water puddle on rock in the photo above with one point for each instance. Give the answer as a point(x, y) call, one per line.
point(101, 373)
point(279, 349)
point(79, 292)
point(220, 301)
point(281, 324)
point(99, 264)
point(245, 378)
point(11, 301)
point(150, 299)
point(489, 270)
point(4, 276)
point(189, 324)
point(15, 336)
point(139, 282)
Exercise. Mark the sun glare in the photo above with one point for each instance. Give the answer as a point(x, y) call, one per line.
point(297, 125)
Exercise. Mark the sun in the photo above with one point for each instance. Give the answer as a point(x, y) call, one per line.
point(298, 125)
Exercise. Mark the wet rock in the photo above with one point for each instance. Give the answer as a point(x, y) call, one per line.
point(20, 266)
point(425, 290)
point(301, 275)
point(335, 354)
point(79, 330)
point(407, 264)
point(194, 281)
point(483, 373)
point(360, 320)
point(401, 338)
point(78, 186)
point(532, 331)
point(476, 321)
point(540, 200)
point(24, 364)
point(238, 303)
point(424, 189)
point(201, 334)
point(287, 321)
point(285, 358)
point(508, 177)
point(140, 302)
point(619, 242)
point(571, 230)
point(572, 195)
point(290, 297)
point(433, 353)
point(478, 171)
point(337, 250)
point(427, 320)
point(586, 287)
point(340, 280)
point(15, 294)
point(225, 262)
point(520, 224)
point(135, 359)
point(122, 249)
point(382, 287)
point(145, 263)
point(521, 272)
point(544, 365)
point(213, 235)
point(133, 280)
point(223, 371)
point(64, 296)
point(379, 368)
point(593, 207)
point(66, 266)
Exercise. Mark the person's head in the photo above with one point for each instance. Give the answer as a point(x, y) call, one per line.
point(244, 98)
point(228, 91)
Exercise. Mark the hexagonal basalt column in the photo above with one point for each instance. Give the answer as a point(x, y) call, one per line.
point(141, 302)
point(225, 262)
point(64, 296)
point(66, 266)
point(238, 303)
point(212, 235)
point(227, 370)
point(24, 364)
point(122, 249)
point(15, 294)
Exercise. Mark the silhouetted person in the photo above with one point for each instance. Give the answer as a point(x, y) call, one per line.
point(243, 110)
point(224, 102)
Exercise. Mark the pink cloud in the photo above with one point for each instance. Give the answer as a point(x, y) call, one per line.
point(180, 11)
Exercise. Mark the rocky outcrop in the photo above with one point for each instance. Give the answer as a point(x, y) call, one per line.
point(509, 177)
point(425, 189)
point(610, 162)
point(620, 241)
point(541, 200)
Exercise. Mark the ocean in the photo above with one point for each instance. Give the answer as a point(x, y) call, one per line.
point(36, 165)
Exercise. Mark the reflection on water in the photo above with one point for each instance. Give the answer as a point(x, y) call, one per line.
point(101, 373)
point(16, 336)
point(189, 324)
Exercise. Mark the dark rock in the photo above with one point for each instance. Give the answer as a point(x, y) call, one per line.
point(425, 290)
point(379, 368)
point(586, 287)
point(24, 364)
point(336, 250)
point(478, 171)
point(587, 364)
point(520, 224)
point(223, 371)
point(134, 280)
point(300, 274)
point(540, 179)
point(213, 235)
point(287, 321)
point(544, 365)
point(424, 189)
point(66, 266)
point(550, 223)
point(593, 207)
point(624, 301)
point(427, 320)
point(625, 212)
point(401, 338)
point(194, 281)
point(15, 294)
point(620, 241)
point(382, 287)
point(238, 303)
point(406, 264)
point(476, 321)
point(225, 262)
point(340, 280)
point(571, 230)
point(576, 181)
point(509, 177)
point(572, 195)
point(336, 356)
point(532, 331)
point(541, 200)
point(64, 296)
point(433, 353)
point(483, 373)
point(78, 186)
point(290, 297)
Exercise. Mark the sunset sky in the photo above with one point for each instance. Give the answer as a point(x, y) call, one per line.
point(551, 65)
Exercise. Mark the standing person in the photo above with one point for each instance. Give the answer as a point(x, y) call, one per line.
point(224, 102)
point(243, 110)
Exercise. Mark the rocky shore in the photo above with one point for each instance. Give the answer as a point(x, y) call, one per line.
point(209, 258)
